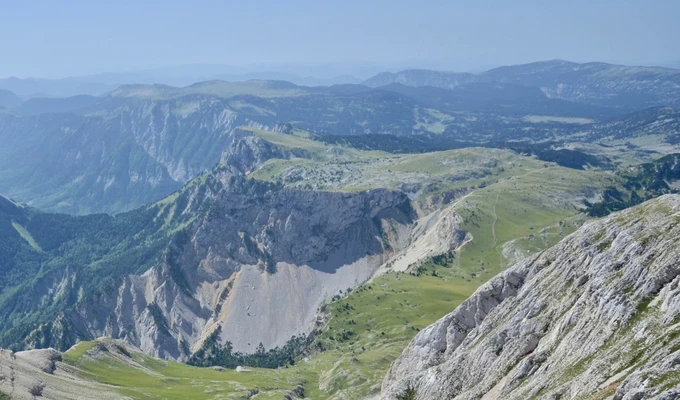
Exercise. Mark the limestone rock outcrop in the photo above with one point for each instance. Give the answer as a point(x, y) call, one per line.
point(596, 316)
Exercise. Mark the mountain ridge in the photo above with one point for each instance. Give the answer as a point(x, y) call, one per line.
point(8, 99)
point(589, 83)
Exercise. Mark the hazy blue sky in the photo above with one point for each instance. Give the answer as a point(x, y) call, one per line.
point(72, 37)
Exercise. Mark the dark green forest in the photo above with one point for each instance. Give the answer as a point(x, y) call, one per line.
point(89, 253)
point(644, 182)
point(214, 354)
point(546, 151)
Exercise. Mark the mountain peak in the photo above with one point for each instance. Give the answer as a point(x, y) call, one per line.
point(10, 208)
point(8, 202)
point(8, 99)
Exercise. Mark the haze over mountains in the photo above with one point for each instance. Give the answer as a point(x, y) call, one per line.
point(315, 75)
point(315, 233)
point(355, 200)
point(98, 84)
point(594, 83)
point(142, 142)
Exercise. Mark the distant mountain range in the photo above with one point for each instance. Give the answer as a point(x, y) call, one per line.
point(66, 87)
point(9, 99)
point(607, 84)
point(592, 83)
point(138, 143)
point(99, 84)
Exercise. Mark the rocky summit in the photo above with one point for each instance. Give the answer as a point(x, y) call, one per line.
point(594, 317)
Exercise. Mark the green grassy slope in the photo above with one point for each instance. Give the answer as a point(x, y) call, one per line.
point(384, 315)
point(340, 168)
point(139, 376)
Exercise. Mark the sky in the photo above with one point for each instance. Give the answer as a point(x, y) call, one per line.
point(76, 37)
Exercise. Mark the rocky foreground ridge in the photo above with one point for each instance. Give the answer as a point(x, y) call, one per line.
point(595, 317)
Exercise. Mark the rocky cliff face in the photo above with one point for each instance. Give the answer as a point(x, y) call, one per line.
point(119, 156)
point(187, 136)
point(258, 264)
point(249, 151)
point(255, 260)
point(123, 152)
point(595, 317)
